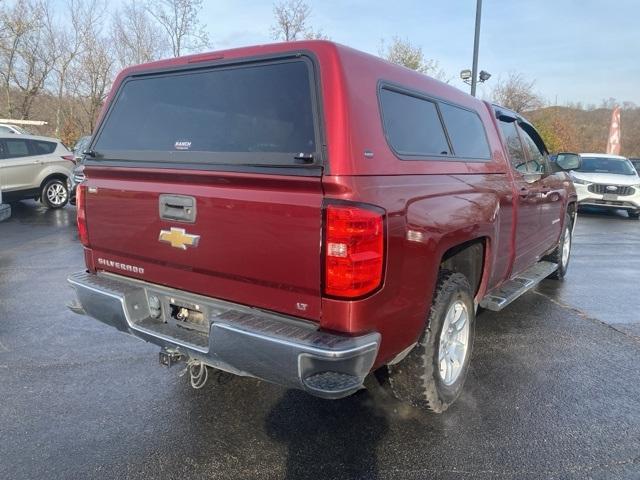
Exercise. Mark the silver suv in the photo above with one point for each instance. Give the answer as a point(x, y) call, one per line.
point(35, 167)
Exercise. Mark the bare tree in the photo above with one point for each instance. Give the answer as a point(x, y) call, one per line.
point(180, 22)
point(17, 21)
point(609, 103)
point(97, 71)
point(35, 58)
point(95, 66)
point(137, 38)
point(291, 18)
point(517, 94)
point(316, 35)
point(402, 52)
point(66, 43)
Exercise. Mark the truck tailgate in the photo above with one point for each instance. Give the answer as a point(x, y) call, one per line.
point(259, 235)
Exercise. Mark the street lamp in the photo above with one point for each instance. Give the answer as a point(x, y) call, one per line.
point(467, 77)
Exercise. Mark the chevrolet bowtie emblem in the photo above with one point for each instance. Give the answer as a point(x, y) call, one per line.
point(178, 238)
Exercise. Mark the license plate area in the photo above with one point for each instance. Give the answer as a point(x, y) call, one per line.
point(187, 315)
point(179, 314)
point(610, 197)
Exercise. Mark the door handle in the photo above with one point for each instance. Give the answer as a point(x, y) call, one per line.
point(524, 192)
point(181, 208)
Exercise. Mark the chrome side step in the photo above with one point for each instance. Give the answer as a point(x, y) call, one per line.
point(497, 299)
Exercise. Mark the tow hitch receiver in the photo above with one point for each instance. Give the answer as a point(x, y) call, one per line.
point(198, 371)
point(169, 357)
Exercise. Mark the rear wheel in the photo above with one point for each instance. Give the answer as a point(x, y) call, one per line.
point(562, 253)
point(55, 193)
point(635, 214)
point(432, 376)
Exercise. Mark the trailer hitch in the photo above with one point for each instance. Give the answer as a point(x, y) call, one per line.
point(169, 357)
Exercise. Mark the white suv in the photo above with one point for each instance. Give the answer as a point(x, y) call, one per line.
point(608, 181)
point(35, 167)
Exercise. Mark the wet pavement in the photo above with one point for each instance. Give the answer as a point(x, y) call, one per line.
point(553, 392)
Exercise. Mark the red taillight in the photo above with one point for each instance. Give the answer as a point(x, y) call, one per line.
point(353, 250)
point(81, 200)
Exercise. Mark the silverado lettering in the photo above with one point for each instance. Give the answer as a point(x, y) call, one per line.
point(120, 266)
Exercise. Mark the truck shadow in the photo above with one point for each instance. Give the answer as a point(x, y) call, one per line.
point(336, 439)
point(367, 435)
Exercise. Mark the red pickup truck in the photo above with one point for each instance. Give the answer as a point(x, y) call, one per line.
point(306, 214)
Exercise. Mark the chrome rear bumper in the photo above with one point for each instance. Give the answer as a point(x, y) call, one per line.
point(242, 340)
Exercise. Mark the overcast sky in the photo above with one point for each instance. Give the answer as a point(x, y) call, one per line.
point(577, 51)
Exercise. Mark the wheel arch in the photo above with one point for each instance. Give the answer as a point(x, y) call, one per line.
point(51, 176)
point(470, 259)
point(52, 169)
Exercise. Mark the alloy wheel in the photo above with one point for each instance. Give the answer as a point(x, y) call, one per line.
point(454, 343)
point(57, 194)
point(566, 247)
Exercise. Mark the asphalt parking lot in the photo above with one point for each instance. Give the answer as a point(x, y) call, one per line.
point(554, 389)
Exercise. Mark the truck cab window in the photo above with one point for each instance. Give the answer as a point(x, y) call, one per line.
point(514, 146)
point(536, 163)
point(412, 125)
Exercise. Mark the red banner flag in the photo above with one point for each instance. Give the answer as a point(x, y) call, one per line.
point(613, 144)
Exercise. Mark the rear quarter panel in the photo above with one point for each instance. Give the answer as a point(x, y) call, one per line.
point(426, 216)
point(52, 165)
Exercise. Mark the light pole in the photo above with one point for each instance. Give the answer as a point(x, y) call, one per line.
point(476, 46)
point(472, 77)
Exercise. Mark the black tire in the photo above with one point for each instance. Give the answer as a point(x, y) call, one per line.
point(55, 193)
point(556, 255)
point(417, 379)
point(635, 214)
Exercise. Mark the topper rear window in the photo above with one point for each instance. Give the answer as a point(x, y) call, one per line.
point(253, 114)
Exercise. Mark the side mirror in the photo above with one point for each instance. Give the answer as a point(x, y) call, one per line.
point(568, 161)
